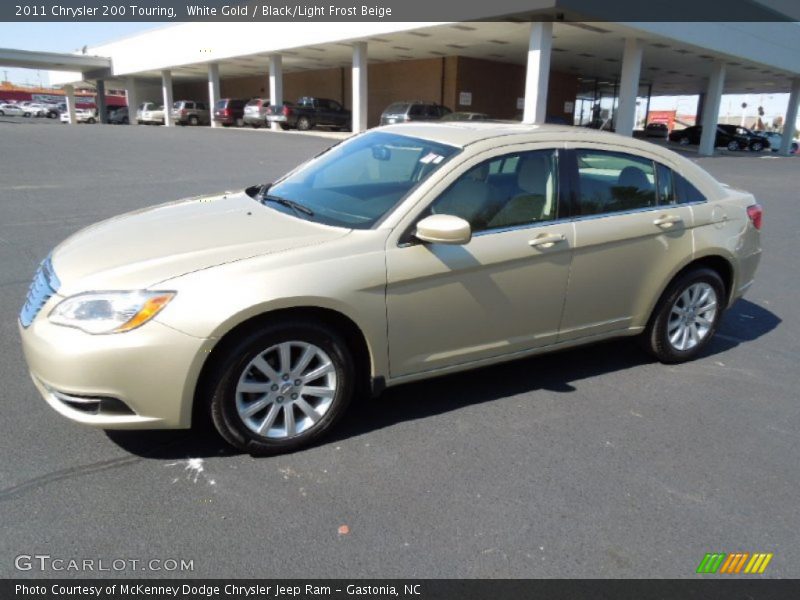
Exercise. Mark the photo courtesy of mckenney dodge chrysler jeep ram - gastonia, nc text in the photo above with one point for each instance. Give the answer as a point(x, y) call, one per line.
point(403, 253)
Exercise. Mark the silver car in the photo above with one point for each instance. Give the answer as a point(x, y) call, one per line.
point(403, 253)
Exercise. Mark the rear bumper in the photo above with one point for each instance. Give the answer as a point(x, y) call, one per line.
point(277, 118)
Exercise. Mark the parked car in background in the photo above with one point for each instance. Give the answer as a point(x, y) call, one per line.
point(54, 110)
point(403, 112)
point(731, 137)
point(142, 108)
point(309, 112)
point(229, 111)
point(190, 112)
point(776, 139)
point(466, 116)
point(255, 112)
point(37, 109)
point(119, 116)
point(153, 115)
point(401, 254)
point(82, 115)
point(656, 130)
point(13, 110)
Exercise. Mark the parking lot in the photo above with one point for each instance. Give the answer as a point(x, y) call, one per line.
point(595, 462)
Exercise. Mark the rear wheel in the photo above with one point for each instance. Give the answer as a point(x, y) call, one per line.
point(304, 124)
point(193, 120)
point(90, 120)
point(757, 146)
point(284, 126)
point(684, 141)
point(686, 317)
point(733, 145)
point(282, 388)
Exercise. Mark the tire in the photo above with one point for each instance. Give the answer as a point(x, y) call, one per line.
point(2, 114)
point(304, 124)
point(284, 126)
point(277, 394)
point(684, 141)
point(27, 114)
point(125, 121)
point(757, 146)
point(193, 120)
point(255, 125)
point(702, 292)
point(90, 120)
point(733, 145)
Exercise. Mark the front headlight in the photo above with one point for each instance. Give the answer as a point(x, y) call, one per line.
point(109, 312)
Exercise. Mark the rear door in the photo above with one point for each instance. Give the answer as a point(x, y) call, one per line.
point(629, 236)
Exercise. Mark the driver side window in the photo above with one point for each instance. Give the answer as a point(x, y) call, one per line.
point(507, 191)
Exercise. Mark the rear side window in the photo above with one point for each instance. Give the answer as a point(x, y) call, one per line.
point(221, 104)
point(201, 106)
point(686, 192)
point(612, 182)
point(417, 110)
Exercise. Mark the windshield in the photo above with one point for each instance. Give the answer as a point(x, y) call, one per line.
point(356, 183)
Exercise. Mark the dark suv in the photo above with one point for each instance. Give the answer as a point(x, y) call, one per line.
point(402, 112)
point(190, 112)
point(230, 111)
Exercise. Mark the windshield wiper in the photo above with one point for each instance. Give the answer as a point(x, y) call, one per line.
point(295, 206)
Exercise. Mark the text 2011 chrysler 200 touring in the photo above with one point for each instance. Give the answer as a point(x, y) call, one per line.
point(403, 253)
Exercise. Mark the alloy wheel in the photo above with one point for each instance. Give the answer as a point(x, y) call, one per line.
point(692, 316)
point(285, 390)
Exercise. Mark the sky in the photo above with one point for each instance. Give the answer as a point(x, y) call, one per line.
point(71, 37)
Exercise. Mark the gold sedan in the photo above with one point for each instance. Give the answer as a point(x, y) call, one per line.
point(404, 253)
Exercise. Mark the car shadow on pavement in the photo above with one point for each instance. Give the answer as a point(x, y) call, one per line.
point(555, 372)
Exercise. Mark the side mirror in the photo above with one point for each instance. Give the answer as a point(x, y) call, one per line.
point(443, 229)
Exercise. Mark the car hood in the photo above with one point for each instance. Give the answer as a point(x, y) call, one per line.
point(139, 249)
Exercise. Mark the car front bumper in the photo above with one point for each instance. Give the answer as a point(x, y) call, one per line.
point(141, 379)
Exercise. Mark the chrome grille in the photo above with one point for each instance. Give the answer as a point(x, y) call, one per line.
point(44, 284)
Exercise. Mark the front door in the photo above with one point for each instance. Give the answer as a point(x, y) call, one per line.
point(501, 293)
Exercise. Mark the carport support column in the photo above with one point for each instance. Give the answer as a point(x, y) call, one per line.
point(359, 115)
point(537, 76)
point(132, 99)
point(790, 122)
point(166, 90)
point(629, 86)
point(713, 99)
point(213, 90)
point(275, 84)
point(100, 100)
point(69, 90)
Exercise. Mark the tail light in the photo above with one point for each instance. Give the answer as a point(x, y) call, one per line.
point(755, 212)
point(183, 112)
point(286, 111)
point(226, 111)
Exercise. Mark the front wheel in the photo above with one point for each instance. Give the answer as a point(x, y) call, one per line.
point(281, 388)
point(733, 145)
point(757, 146)
point(686, 317)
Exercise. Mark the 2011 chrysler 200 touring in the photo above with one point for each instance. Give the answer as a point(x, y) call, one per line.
point(403, 253)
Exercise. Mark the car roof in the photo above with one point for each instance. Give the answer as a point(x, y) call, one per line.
point(465, 133)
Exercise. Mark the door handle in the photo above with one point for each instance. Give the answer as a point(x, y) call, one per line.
point(667, 221)
point(546, 241)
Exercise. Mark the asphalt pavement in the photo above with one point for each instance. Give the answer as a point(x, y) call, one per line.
point(595, 462)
